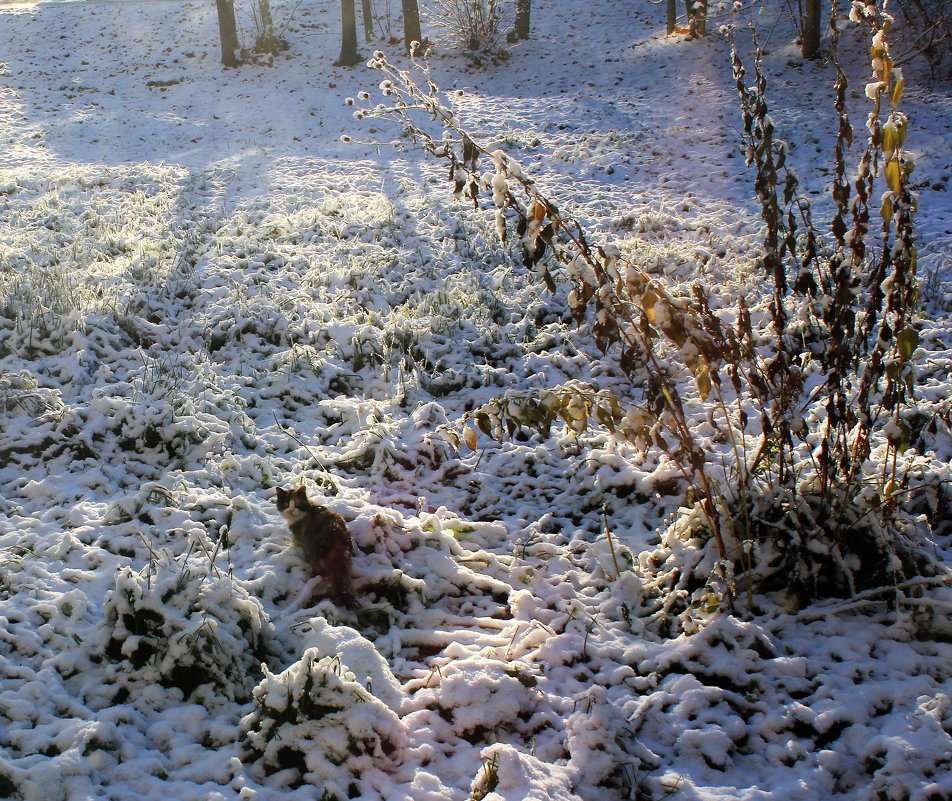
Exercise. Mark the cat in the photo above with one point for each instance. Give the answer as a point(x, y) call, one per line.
point(324, 538)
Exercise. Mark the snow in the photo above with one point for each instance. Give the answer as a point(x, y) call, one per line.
point(215, 282)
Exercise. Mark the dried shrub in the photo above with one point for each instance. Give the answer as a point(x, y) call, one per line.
point(801, 403)
point(472, 26)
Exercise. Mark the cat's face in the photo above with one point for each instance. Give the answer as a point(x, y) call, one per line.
point(292, 500)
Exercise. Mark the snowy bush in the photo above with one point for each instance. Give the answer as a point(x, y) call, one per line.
point(21, 393)
point(177, 407)
point(601, 761)
point(506, 772)
point(484, 697)
point(177, 624)
point(473, 26)
point(156, 425)
point(315, 723)
point(39, 310)
point(360, 655)
point(790, 548)
point(34, 420)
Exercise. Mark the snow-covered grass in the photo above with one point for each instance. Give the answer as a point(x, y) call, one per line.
point(205, 294)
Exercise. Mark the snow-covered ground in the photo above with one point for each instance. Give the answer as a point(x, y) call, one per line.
point(205, 293)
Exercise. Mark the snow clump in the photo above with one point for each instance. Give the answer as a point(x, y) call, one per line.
point(177, 626)
point(315, 723)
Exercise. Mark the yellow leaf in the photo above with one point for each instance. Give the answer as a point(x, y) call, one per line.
point(892, 175)
point(613, 402)
point(897, 91)
point(887, 208)
point(648, 301)
point(890, 136)
point(470, 437)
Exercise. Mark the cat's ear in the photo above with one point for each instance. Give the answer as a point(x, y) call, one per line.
point(281, 493)
point(300, 494)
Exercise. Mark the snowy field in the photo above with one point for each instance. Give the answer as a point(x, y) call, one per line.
point(206, 294)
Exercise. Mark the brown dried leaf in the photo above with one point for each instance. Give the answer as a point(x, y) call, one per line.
point(702, 377)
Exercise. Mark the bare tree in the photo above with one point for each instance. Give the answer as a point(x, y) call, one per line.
point(810, 35)
point(411, 23)
point(267, 41)
point(228, 32)
point(697, 16)
point(473, 26)
point(267, 22)
point(366, 11)
point(348, 40)
point(521, 25)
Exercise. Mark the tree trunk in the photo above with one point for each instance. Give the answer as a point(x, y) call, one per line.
point(672, 16)
point(348, 39)
point(227, 32)
point(411, 23)
point(810, 46)
point(267, 23)
point(697, 17)
point(523, 7)
point(267, 42)
point(366, 9)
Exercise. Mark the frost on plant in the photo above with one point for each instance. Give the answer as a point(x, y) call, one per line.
point(602, 761)
point(315, 723)
point(178, 625)
point(473, 26)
